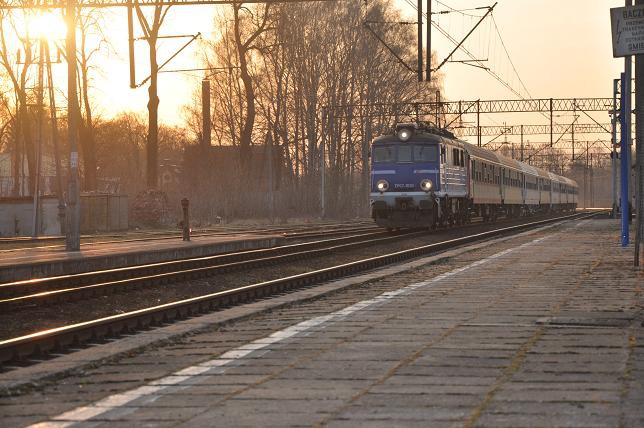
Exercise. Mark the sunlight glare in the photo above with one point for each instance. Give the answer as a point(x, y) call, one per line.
point(47, 25)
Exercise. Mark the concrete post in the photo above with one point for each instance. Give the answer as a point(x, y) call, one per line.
point(205, 113)
point(625, 159)
point(613, 157)
point(39, 112)
point(322, 166)
point(73, 230)
point(420, 40)
point(639, 156)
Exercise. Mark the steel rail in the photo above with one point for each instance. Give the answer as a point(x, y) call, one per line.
point(60, 339)
point(289, 236)
point(91, 283)
point(287, 232)
point(95, 283)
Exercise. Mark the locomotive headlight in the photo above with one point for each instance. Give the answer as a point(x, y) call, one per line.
point(426, 185)
point(404, 134)
point(382, 186)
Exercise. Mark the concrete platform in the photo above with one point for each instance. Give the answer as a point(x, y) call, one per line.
point(542, 329)
point(27, 263)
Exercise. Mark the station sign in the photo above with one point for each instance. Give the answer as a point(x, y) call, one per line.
point(627, 25)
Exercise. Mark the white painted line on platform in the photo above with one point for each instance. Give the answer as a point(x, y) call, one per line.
point(155, 389)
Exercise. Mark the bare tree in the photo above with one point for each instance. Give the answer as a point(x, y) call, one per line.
point(23, 140)
point(299, 67)
point(151, 30)
point(244, 42)
point(88, 24)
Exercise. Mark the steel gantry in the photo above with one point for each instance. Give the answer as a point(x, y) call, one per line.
point(534, 105)
point(490, 131)
point(449, 114)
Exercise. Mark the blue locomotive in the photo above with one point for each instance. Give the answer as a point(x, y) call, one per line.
point(422, 176)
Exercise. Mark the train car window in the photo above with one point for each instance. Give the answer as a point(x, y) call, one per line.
point(425, 153)
point(404, 153)
point(443, 154)
point(384, 154)
point(462, 158)
point(454, 157)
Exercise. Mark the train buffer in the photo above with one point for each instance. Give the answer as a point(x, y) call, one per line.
point(543, 328)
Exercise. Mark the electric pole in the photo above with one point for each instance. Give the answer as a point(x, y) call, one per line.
point(39, 148)
point(613, 157)
point(205, 114)
point(420, 40)
point(428, 70)
point(73, 230)
point(639, 156)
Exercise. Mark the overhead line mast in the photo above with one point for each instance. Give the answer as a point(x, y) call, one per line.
point(428, 72)
point(420, 39)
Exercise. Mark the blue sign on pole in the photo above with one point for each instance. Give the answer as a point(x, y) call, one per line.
point(625, 151)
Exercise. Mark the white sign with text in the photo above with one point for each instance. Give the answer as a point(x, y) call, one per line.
point(627, 25)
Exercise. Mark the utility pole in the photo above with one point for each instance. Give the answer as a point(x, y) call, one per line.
point(325, 119)
point(521, 143)
point(639, 156)
point(420, 40)
point(586, 198)
point(572, 129)
point(625, 156)
point(205, 114)
point(73, 231)
point(551, 114)
point(428, 70)
point(271, 176)
point(54, 139)
point(613, 157)
point(591, 182)
point(39, 114)
point(478, 122)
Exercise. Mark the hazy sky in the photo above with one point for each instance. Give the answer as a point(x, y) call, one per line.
point(560, 48)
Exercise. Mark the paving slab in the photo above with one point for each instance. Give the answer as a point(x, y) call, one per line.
point(466, 349)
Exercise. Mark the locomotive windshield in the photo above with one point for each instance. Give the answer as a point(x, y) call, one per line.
point(384, 154)
point(405, 153)
point(425, 153)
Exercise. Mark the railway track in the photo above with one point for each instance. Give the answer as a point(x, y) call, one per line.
point(91, 284)
point(292, 232)
point(60, 339)
point(73, 287)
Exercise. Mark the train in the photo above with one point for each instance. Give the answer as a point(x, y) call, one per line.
point(423, 176)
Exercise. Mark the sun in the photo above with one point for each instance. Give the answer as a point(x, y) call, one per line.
point(46, 25)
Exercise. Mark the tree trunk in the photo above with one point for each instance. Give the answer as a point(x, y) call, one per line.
point(152, 147)
point(249, 96)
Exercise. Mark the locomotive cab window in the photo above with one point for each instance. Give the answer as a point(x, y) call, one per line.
point(404, 153)
point(384, 154)
point(425, 153)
